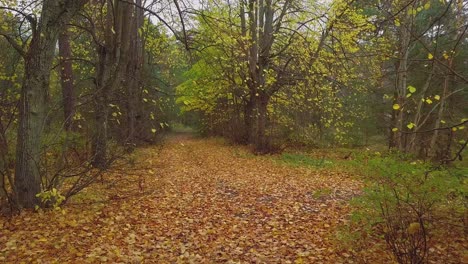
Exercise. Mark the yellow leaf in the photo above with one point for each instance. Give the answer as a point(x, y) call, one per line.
point(428, 101)
point(299, 261)
point(411, 89)
point(397, 22)
point(72, 223)
point(153, 130)
point(394, 129)
point(410, 125)
point(430, 56)
point(396, 106)
point(437, 97)
point(413, 228)
point(454, 129)
point(427, 6)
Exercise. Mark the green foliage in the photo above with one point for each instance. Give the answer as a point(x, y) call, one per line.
point(181, 128)
point(320, 193)
point(401, 203)
point(51, 198)
point(304, 160)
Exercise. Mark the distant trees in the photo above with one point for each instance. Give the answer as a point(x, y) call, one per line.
point(293, 67)
point(428, 66)
point(271, 73)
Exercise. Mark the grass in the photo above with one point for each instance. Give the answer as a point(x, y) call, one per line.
point(321, 193)
point(305, 160)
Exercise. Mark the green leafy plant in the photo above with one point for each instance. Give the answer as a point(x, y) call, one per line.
point(401, 203)
point(51, 198)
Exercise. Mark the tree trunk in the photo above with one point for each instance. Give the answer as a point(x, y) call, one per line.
point(263, 24)
point(440, 114)
point(134, 71)
point(33, 101)
point(3, 163)
point(417, 118)
point(99, 140)
point(249, 120)
point(32, 110)
point(446, 90)
point(399, 116)
point(66, 71)
point(262, 144)
point(112, 62)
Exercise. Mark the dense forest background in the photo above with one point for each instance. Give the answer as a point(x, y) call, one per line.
point(85, 82)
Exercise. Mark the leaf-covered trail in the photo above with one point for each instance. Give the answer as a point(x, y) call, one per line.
point(224, 207)
point(198, 201)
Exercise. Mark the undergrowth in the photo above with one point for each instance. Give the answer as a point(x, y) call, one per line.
point(408, 208)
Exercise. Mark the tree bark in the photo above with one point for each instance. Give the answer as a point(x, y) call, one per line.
point(66, 71)
point(459, 20)
point(248, 120)
point(112, 62)
point(33, 101)
point(134, 68)
point(432, 147)
point(262, 145)
point(3, 163)
point(263, 23)
point(417, 118)
point(398, 140)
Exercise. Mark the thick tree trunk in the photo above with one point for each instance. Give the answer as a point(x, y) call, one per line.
point(134, 71)
point(32, 110)
point(112, 62)
point(99, 140)
point(262, 24)
point(33, 100)
point(32, 107)
point(66, 71)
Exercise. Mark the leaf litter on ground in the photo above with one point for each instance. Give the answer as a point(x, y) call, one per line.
point(194, 201)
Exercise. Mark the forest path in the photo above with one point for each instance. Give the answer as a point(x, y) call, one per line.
point(194, 201)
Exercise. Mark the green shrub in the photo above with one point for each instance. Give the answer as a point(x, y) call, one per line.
point(401, 203)
point(51, 198)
